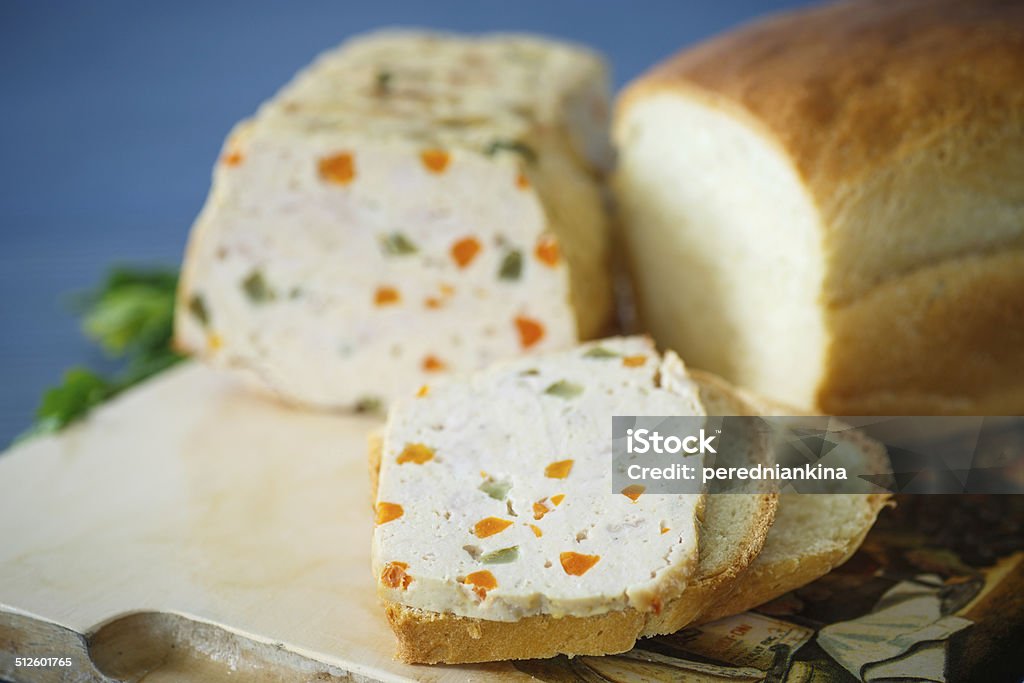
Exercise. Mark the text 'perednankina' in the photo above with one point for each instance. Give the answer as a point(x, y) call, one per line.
point(810, 472)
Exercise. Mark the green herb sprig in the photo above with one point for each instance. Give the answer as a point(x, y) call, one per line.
point(130, 315)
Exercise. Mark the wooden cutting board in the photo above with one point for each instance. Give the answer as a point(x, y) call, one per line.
point(192, 529)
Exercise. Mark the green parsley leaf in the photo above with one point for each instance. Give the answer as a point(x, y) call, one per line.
point(511, 266)
point(131, 317)
point(369, 404)
point(257, 289)
point(383, 82)
point(564, 389)
point(501, 556)
point(515, 146)
point(81, 390)
point(600, 352)
point(496, 489)
point(197, 307)
point(397, 244)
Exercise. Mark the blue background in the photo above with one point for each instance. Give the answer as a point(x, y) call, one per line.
point(113, 113)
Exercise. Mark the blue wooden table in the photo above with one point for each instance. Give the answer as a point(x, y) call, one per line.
point(113, 113)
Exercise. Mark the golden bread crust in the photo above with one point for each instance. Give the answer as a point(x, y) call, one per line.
point(904, 119)
point(943, 340)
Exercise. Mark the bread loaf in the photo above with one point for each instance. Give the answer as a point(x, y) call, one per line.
point(410, 205)
point(827, 206)
point(811, 534)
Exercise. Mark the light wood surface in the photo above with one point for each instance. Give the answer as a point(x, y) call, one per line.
point(187, 505)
